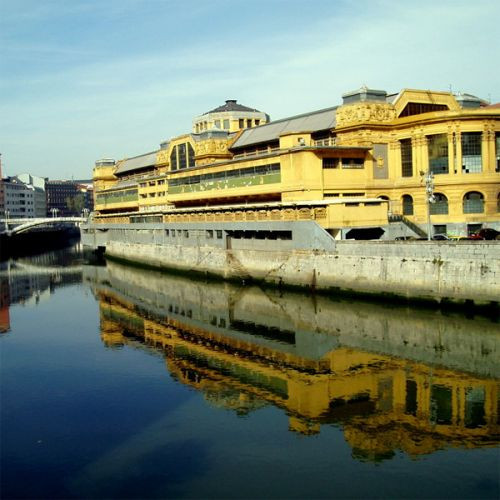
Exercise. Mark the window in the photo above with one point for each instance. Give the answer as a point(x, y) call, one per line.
point(473, 203)
point(471, 152)
point(439, 229)
point(330, 163)
point(406, 158)
point(209, 234)
point(440, 206)
point(191, 162)
point(438, 153)
point(181, 156)
point(219, 234)
point(353, 163)
point(217, 123)
point(226, 124)
point(416, 108)
point(257, 123)
point(407, 205)
point(241, 123)
point(173, 159)
point(249, 123)
point(167, 232)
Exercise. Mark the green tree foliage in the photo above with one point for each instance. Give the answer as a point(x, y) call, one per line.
point(76, 203)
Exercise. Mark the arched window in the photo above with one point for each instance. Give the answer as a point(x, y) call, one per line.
point(473, 203)
point(407, 205)
point(440, 206)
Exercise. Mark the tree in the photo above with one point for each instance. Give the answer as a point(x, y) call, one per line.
point(76, 203)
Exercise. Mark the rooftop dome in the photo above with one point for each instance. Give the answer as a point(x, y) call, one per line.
point(231, 105)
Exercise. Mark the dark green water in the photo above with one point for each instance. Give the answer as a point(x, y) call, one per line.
point(124, 383)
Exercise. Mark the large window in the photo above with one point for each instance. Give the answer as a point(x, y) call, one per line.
point(473, 203)
point(471, 152)
point(407, 205)
point(406, 158)
point(438, 153)
point(182, 156)
point(440, 206)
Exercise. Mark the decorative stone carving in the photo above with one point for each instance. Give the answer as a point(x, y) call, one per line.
point(162, 157)
point(211, 147)
point(353, 114)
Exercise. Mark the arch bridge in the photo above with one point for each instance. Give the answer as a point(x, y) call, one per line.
point(16, 226)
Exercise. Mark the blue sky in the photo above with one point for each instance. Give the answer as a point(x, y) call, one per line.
point(80, 80)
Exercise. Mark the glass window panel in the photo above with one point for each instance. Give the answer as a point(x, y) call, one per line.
point(407, 205)
point(173, 159)
point(406, 158)
point(471, 152)
point(473, 203)
point(440, 206)
point(191, 162)
point(438, 153)
point(181, 153)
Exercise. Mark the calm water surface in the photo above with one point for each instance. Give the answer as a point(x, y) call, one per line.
point(125, 383)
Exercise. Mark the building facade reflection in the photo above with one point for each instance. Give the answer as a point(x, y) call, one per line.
point(392, 378)
point(31, 279)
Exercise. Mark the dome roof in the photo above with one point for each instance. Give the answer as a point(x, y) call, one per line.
point(231, 105)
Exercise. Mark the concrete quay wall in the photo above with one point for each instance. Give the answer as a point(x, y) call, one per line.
point(440, 271)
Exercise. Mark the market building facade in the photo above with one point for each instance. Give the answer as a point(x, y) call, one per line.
point(431, 159)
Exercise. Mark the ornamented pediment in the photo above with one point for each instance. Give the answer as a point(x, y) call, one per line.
point(211, 147)
point(162, 157)
point(372, 112)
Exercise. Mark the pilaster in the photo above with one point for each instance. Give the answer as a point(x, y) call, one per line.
point(488, 152)
point(395, 169)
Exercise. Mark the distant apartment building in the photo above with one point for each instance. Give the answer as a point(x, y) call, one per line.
point(58, 195)
point(38, 184)
point(19, 199)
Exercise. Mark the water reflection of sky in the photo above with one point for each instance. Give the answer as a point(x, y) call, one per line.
point(198, 414)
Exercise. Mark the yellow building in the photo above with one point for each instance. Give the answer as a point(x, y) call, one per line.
point(402, 162)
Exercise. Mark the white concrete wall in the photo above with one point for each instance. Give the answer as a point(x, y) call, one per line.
point(457, 271)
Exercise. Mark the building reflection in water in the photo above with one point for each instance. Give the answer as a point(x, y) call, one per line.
point(32, 279)
point(392, 378)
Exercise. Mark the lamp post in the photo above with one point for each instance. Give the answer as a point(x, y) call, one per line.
point(429, 194)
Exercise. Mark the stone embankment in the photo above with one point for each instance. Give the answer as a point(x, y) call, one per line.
point(438, 271)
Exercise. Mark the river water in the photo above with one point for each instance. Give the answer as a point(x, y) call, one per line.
point(126, 383)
